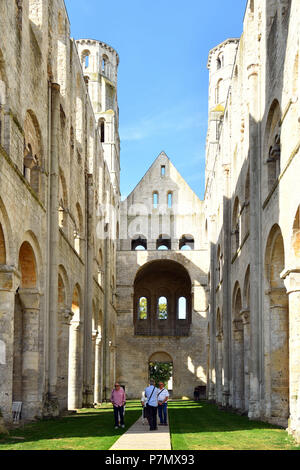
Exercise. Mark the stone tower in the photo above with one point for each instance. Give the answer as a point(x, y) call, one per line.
point(100, 69)
point(220, 64)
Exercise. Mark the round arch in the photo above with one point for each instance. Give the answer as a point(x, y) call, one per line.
point(277, 349)
point(162, 279)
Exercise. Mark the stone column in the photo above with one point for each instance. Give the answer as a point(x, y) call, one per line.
point(151, 245)
point(175, 244)
point(98, 374)
point(277, 358)
point(245, 315)
point(51, 403)
point(8, 285)
point(212, 314)
point(226, 292)
point(64, 321)
point(75, 369)
point(219, 369)
point(255, 240)
point(31, 397)
point(88, 347)
point(292, 283)
point(238, 382)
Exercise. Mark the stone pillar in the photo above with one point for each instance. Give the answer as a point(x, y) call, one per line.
point(64, 321)
point(212, 314)
point(175, 244)
point(292, 283)
point(219, 369)
point(238, 379)
point(32, 403)
point(88, 347)
point(75, 368)
point(51, 403)
point(277, 358)
point(8, 284)
point(151, 245)
point(245, 315)
point(98, 374)
point(255, 241)
point(226, 290)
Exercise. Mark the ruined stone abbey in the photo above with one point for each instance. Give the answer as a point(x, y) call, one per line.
point(92, 288)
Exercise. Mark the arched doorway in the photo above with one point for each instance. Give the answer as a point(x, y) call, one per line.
point(161, 369)
point(26, 335)
point(75, 353)
point(63, 327)
point(238, 345)
point(277, 365)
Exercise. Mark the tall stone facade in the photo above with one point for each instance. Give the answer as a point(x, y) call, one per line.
point(59, 202)
point(162, 261)
point(252, 206)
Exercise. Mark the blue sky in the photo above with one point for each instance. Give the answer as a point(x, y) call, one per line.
point(163, 80)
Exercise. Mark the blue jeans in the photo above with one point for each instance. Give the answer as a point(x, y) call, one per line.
point(162, 413)
point(119, 411)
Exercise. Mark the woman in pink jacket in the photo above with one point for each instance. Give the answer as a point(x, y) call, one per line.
point(118, 399)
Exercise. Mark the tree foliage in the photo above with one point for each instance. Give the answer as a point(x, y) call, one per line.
point(160, 371)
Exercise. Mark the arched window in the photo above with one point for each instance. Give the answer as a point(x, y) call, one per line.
point(162, 170)
point(170, 200)
point(162, 308)
point(182, 308)
point(155, 200)
point(85, 59)
point(220, 61)
point(139, 243)
point(219, 91)
point(272, 146)
point(143, 308)
point(163, 242)
point(104, 65)
point(186, 242)
point(236, 226)
point(101, 125)
point(32, 162)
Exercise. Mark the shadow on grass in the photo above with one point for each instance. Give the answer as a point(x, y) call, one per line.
point(93, 425)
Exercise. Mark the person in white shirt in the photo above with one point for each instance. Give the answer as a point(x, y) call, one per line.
point(162, 397)
point(151, 407)
point(144, 402)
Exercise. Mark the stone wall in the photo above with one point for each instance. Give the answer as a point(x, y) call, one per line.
point(252, 216)
point(57, 306)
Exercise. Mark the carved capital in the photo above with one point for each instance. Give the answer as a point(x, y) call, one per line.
point(291, 279)
point(30, 299)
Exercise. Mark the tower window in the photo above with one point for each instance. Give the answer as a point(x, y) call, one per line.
point(143, 308)
point(163, 242)
point(182, 308)
point(102, 129)
point(162, 308)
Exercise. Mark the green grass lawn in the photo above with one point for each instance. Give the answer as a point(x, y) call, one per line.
point(193, 425)
point(202, 426)
point(88, 429)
